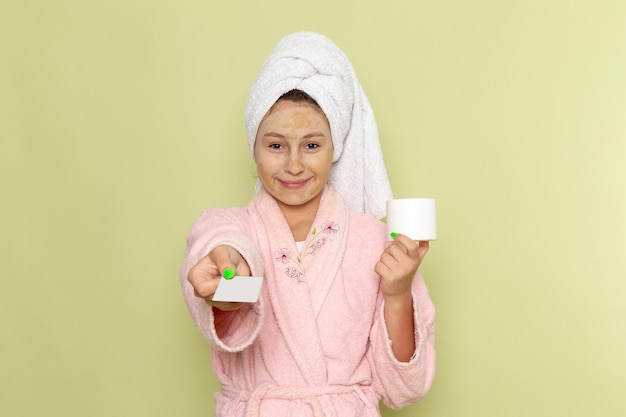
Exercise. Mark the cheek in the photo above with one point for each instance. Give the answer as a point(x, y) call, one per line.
point(327, 163)
point(260, 168)
point(264, 168)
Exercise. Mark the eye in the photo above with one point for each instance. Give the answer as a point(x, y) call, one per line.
point(312, 145)
point(275, 146)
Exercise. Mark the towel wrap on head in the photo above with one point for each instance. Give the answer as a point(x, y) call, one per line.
point(312, 63)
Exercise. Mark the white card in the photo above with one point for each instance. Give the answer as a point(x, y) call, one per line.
point(238, 289)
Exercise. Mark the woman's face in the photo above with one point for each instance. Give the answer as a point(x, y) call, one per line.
point(293, 153)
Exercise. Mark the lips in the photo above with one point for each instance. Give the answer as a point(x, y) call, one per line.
point(294, 184)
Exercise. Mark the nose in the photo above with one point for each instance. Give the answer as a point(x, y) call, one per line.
point(294, 164)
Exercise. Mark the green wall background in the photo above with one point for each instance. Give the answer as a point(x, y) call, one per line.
point(121, 120)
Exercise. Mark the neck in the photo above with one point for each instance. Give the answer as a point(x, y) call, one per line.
point(300, 218)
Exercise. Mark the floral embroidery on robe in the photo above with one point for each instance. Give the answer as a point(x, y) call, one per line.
point(312, 246)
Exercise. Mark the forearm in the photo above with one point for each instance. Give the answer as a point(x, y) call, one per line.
point(400, 324)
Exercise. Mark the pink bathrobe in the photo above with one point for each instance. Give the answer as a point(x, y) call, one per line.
point(315, 344)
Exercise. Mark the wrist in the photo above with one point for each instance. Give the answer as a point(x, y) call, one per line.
point(402, 300)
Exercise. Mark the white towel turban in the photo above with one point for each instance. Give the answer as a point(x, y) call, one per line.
point(312, 63)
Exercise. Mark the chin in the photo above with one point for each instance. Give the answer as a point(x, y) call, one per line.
point(296, 200)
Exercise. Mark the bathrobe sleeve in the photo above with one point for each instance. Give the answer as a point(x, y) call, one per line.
point(403, 383)
point(217, 227)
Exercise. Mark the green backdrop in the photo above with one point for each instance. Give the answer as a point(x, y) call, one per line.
point(121, 120)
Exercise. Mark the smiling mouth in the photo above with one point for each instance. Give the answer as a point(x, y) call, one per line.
point(294, 184)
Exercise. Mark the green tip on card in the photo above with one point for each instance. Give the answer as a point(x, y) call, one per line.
point(393, 234)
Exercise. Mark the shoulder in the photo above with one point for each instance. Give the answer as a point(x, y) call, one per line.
point(366, 228)
point(366, 221)
point(215, 217)
point(225, 212)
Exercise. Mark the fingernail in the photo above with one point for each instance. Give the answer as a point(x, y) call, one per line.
point(228, 273)
point(393, 234)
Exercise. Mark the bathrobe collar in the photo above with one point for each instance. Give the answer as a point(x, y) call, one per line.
point(298, 283)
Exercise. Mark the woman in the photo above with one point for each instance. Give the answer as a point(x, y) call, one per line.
point(344, 319)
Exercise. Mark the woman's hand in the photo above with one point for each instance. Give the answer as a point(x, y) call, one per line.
point(398, 265)
point(206, 274)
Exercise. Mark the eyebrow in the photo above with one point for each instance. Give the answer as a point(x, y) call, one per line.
point(274, 134)
point(313, 135)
